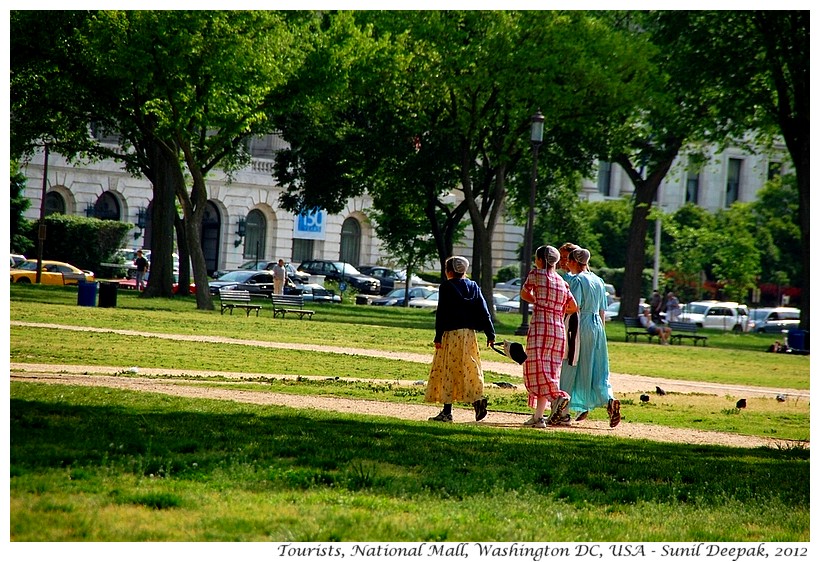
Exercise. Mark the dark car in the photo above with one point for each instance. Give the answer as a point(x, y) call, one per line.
point(261, 265)
point(386, 276)
point(396, 296)
point(342, 271)
point(255, 282)
point(312, 292)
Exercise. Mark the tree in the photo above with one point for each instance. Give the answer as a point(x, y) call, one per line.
point(183, 90)
point(727, 74)
point(777, 231)
point(450, 109)
point(18, 205)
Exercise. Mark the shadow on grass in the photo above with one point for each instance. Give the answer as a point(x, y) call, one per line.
point(257, 446)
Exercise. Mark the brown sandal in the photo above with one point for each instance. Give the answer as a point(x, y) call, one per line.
point(613, 408)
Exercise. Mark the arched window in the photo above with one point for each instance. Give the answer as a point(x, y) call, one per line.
point(55, 204)
point(351, 241)
point(107, 207)
point(255, 231)
point(210, 236)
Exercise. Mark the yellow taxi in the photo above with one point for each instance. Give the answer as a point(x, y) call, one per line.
point(52, 273)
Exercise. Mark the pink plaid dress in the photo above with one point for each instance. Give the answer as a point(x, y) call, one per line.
point(546, 338)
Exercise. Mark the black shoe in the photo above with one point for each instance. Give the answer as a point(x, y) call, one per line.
point(480, 409)
point(442, 417)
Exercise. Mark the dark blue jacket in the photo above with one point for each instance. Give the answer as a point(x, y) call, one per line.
point(461, 305)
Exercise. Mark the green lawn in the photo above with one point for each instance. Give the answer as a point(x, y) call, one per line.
point(97, 464)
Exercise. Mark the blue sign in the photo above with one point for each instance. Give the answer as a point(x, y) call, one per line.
point(310, 226)
point(343, 286)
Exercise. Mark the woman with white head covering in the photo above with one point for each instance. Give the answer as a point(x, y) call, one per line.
point(456, 375)
point(587, 381)
point(546, 337)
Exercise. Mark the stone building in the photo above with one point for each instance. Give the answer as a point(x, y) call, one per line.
point(243, 220)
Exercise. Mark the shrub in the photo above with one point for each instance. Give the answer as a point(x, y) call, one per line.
point(81, 241)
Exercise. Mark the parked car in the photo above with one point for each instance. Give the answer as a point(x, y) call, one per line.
point(512, 305)
point(16, 259)
point(396, 296)
point(610, 293)
point(612, 311)
point(255, 282)
point(430, 301)
point(773, 320)
point(126, 257)
point(261, 265)
point(614, 308)
point(51, 273)
point(342, 271)
point(511, 285)
point(498, 298)
point(386, 276)
point(312, 292)
point(414, 279)
point(715, 314)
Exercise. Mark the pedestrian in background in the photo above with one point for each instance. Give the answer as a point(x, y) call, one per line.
point(280, 276)
point(656, 306)
point(672, 307)
point(546, 338)
point(456, 374)
point(142, 266)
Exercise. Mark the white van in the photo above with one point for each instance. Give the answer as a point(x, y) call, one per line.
point(716, 314)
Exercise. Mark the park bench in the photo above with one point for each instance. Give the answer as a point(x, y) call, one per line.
point(689, 330)
point(634, 329)
point(295, 304)
point(232, 298)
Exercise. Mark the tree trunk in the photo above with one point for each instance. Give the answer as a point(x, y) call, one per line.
point(193, 208)
point(184, 281)
point(163, 171)
point(644, 195)
point(484, 221)
point(802, 163)
point(443, 234)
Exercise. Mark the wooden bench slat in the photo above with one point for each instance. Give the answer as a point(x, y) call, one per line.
point(688, 330)
point(295, 304)
point(634, 329)
point(232, 298)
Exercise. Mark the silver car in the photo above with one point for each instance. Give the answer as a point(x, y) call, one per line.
point(773, 320)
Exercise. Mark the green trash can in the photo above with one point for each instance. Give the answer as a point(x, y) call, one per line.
point(108, 294)
point(86, 293)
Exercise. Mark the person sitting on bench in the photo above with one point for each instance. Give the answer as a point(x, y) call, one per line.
point(663, 332)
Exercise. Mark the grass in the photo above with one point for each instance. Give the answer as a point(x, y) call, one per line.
point(96, 464)
point(91, 464)
point(729, 358)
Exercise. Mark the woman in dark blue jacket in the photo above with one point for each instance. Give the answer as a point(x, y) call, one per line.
point(456, 375)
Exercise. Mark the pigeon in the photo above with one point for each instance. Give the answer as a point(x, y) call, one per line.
point(644, 398)
point(781, 397)
point(660, 391)
point(741, 403)
point(504, 384)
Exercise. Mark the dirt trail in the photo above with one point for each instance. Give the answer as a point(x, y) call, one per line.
point(169, 379)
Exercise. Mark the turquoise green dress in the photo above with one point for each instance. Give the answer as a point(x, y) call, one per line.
point(587, 382)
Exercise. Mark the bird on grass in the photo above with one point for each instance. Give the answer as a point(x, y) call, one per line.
point(644, 398)
point(741, 404)
point(660, 391)
point(781, 397)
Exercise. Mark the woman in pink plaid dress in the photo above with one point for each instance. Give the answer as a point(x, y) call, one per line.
point(546, 338)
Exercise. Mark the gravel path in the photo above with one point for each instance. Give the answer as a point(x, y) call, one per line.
point(168, 383)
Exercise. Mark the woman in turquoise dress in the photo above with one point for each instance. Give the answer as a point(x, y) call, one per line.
point(587, 380)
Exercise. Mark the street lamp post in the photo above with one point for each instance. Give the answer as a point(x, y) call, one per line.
point(536, 138)
point(41, 230)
